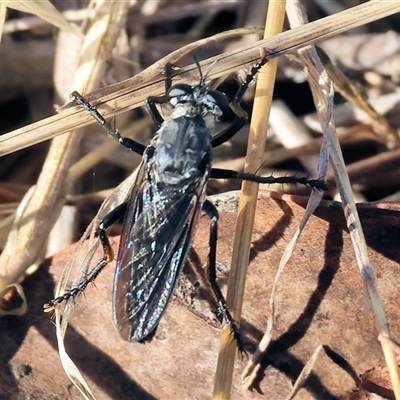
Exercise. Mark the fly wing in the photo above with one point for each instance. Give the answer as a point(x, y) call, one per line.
point(157, 236)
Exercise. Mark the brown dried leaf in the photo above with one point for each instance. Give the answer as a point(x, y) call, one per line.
point(319, 301)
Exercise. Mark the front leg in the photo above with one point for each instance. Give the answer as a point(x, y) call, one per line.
point(114, 133)
point(151, 101)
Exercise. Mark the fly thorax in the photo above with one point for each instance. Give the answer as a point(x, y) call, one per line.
point(183, 149)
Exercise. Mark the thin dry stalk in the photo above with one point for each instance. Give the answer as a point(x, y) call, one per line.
point(44, 9)
point(96, 51)
point(305, 373)
point(354, 96)
point(30, 231)
point(322, 90)
point(291, 133)
point(3, 10)
point(32, 22)
point(248, 201)
point(132, 92)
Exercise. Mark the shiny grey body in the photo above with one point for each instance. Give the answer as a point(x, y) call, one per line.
point(162, 214)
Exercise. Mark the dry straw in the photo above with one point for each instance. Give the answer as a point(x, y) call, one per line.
point(131, 93)
point(247, 205)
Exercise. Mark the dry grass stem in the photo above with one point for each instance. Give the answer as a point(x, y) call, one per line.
point(28, 23)
point(291, 134)
point(305, 373)
point(322, 91)
point(77, 175)
point(248, 201)
point(132, 92)
point(352, 93)
point(44, 9)
point(48, 196)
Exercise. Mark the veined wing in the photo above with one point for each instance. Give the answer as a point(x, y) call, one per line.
point(157, 236)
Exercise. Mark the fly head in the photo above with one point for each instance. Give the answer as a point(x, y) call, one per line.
point(190, 100)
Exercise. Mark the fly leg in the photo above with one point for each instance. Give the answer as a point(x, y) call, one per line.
point(112, 217)
point(153, 100)
point(114, 133)
point(241, 116)
point(249, 78)
point(228, 133)
point(210, 209)
point(238, 123)
point(319, 184)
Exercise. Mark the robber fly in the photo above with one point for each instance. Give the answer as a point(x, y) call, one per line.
point(167, 198)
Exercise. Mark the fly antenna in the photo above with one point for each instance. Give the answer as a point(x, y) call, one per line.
point(209, 69)
point(202, 78)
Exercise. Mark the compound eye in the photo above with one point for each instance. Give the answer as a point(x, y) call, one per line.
point(220, 99)
point(180, 90)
